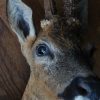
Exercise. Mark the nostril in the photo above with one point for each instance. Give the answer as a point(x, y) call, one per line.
point(83, 88)
point(78, 86)
point(82, 91)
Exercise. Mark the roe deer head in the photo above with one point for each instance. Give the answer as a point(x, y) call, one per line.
point(54, 54)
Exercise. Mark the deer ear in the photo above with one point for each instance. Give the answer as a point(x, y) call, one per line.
point(20, 19)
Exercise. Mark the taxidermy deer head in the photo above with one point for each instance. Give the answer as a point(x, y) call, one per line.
point(54, 54)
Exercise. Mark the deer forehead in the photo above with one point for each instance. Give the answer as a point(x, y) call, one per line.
point(54, 34)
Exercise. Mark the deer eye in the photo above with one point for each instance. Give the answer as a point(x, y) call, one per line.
point(42, 50)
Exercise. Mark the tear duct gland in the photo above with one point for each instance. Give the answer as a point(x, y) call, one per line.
point(61, 58)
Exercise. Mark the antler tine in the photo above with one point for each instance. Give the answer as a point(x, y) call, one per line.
point(49, 6)
point(76, 11)
point(70, 8)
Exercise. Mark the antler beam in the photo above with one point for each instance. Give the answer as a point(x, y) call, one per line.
point(49, 6)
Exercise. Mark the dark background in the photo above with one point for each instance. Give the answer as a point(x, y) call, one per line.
point(14, 70)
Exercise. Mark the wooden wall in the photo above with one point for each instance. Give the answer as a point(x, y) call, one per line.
point(14, 70)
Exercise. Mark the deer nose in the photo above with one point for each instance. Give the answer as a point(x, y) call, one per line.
point(82, 88)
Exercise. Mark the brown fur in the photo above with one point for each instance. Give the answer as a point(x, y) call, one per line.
point(40, 90)
point(41, 85)
point(51, 73)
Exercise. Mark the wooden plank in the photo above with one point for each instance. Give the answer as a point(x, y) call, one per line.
point(14, 71)
point(38, 12)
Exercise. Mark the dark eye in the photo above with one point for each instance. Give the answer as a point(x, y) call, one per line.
point(42, 50)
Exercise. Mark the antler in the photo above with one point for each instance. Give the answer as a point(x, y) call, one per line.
point(50, 9)
point(76, 11)
point(70, 8)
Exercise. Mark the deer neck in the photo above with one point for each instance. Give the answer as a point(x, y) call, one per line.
point(37, 89)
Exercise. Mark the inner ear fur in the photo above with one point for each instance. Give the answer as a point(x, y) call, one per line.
point(20, 19)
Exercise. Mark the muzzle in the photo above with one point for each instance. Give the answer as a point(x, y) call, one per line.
point(82, 88)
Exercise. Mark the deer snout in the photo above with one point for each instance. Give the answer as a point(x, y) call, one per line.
point(82, 88)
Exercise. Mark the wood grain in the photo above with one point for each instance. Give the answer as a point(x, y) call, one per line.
point(94, 31)
point(14, 71)
point(38, 12)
